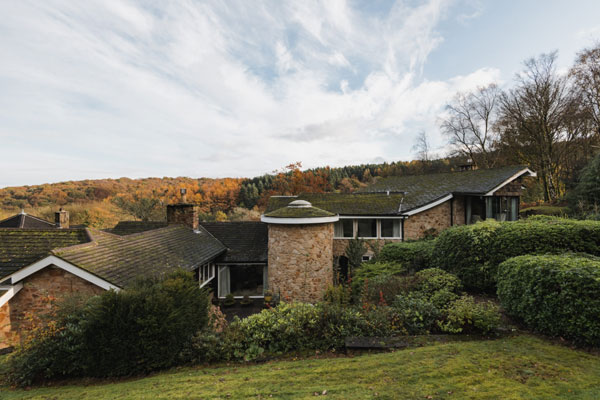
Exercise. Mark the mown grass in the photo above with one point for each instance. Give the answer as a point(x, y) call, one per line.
point(520, 367)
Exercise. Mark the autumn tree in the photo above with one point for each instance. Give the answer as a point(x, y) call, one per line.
point(469, 124)
point(142, 208)
point(534, 121)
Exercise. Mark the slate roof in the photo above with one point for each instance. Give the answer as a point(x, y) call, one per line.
point(23, 220)
point(129, 227)
point(247, 241)
point(123, 259)
point(22, 247)
point(405, 192)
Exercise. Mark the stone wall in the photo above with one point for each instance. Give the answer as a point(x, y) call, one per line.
point(437, 218)
point(40, 291)
point(300, 261)
point(459, 210)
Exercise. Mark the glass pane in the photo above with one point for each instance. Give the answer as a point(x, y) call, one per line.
point(390, 228)
point(246, 280)
point(367, 228)
point(348, 228)
point(338, 229)
point(514, 206)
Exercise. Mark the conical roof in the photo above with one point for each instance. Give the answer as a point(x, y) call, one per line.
point(299, 212)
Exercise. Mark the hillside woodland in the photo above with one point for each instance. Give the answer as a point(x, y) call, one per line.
point(547, 120)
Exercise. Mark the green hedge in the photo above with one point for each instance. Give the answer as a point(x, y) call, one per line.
point(473, 252)
point(415, 256)
point(558, 295)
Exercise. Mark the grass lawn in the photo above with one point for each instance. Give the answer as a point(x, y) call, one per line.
point(520, 367)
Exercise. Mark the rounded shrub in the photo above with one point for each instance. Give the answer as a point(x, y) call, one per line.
point(473, 252)
point(438, 286)
point(414, 256)
point(465, 315)
point(558, 295)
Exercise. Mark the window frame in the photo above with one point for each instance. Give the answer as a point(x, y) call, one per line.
point(379, 232)
point(377, 228)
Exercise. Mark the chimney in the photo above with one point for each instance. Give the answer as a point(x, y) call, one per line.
point(183, 213)
point(61, 219)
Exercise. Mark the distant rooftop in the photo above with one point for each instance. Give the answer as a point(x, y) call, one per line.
point(24, 220)
point(22, 247)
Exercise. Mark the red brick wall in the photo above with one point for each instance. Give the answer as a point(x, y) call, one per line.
point(40, 291)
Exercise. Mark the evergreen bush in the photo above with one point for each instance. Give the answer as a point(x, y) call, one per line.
point(473, 252)
point(558, 295)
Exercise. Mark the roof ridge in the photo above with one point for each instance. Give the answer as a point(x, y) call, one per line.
point(91, 243)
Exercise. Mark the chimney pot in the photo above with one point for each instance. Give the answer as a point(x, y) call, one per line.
point(61, 219)
point(183, 191)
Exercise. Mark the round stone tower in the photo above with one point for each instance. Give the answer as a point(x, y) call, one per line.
point(300, 251)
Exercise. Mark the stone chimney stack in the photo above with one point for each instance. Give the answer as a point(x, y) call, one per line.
point(61, 219)
point(183, 213)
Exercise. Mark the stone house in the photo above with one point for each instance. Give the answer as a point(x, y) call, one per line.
point(319, 226)
point(291, 251)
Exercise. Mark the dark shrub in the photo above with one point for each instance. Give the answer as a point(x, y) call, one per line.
point(414, 256)
point(558, 295)
point(383, 289)
point(473, 252)
point(464, 315)
point(129, 332)
point(144, 328)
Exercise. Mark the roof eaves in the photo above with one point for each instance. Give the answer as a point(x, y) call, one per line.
point(429, 205)
point(512, 178)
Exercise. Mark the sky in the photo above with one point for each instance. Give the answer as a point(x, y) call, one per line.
point(106, 89)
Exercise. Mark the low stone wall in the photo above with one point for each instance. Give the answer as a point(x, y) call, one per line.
point(40, 291)
point(300, 261)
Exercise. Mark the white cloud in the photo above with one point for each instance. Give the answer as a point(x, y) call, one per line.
point(97, 89)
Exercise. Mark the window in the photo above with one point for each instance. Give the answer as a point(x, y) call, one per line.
point(367, 228)
point(366, 257)
point(344, 228)
point(242, 280)
point(390, 228)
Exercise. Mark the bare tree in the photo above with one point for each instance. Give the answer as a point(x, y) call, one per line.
point(535, 120)
point(469, 125)
point(586, 76)
point(422, 147)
